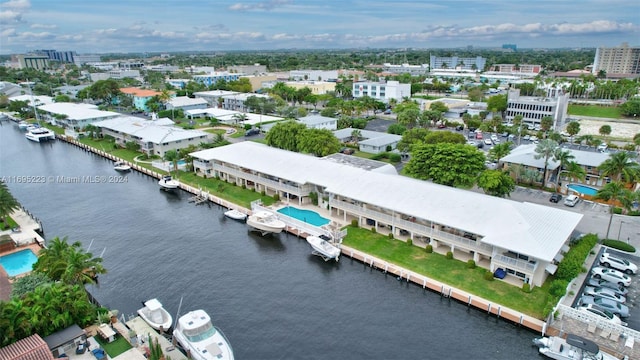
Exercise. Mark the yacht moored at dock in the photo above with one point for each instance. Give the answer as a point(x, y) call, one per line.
point(167, 183)
point(200, 339)
point(322, 247)
point(265, 222)
point(39, 134)
point(121, 166)
point(155, 315)
point(572, 348)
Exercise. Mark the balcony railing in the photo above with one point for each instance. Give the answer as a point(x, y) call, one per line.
point(515, 264)
point(414, 227)
point(294, 190)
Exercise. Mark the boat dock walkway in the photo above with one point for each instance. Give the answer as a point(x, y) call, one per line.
point(28, 230)
point(143, 331)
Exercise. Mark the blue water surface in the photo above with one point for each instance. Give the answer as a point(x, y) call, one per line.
point(586, 190)
point(19, 262)
point(307, 216)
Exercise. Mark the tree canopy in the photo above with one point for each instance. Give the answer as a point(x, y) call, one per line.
point(284, 135)
point(447, 164)
point(496, 183)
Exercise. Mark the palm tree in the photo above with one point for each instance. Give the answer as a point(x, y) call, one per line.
point(575, 171)
point(499, 151)
point(614, 192)
point(545, 150)
point(8, 203)
point(172, 156)
point(355, 135)
point(620, 166)
point(68, 263)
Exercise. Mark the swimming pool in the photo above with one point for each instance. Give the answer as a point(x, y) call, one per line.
point(307, 216)
point(582, 189)
point(19, 262)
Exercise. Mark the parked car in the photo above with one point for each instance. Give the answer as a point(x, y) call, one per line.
point(611, 275)
point(606, 314)
point(459, 127)
point(555, 198)
point(604, 293)
point(606, 304)
point(505, 134)
point(571, 200)
point(607, 284)
point(251, 132)
point(488, 142)
point(526, 137)
point(617, 263)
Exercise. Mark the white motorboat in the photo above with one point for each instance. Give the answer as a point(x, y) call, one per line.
point(155, 315)
point(39, 134)
point(572, 348)
point(23, 125)
point(168, 183)
point(265, 222)
point(200, 339)
point(235, 215)
point(323, 248)
point(121, 166)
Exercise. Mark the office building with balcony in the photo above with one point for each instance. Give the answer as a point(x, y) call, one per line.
point(533, 109)
point(236, 101)
point(526, 240)
point(32, 61)
point(623, 59)
point(212, 78)
point(382, 91)
point(214, 97)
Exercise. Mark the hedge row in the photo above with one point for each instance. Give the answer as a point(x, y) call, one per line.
point(571, 265)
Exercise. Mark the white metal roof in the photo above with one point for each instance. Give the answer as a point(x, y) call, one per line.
point(186, 101)
point(525, 154)
point(77, 111)
point(37, 99)
point(525, 228)
point(316, 119)
point(148, 130)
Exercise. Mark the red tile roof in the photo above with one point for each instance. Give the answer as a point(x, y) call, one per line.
point(30, 348)
point(140, 92)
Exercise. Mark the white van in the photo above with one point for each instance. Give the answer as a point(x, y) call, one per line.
point(571, 200)
point(602, 148)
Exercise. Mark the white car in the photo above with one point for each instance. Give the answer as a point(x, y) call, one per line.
point(488, 142)
point(611, 275)
point(615, 262)
point(596, 310)
point(604, 293)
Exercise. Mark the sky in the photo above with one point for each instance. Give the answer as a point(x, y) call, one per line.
point(123, 26)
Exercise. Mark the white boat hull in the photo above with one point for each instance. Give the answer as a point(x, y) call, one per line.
point(121, 166)
point(571, 348)
point(266, 223)
point(212, 345)
point(155, 315)
point(235, 215)
point(168, 183)
point(40, 134)
point(324, 248)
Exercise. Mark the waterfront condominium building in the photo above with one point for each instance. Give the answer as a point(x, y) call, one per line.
point(622, 59)
point(382, 91)
point(533, 109)
point(453, 62)
point(212, 78)
point(496, 233)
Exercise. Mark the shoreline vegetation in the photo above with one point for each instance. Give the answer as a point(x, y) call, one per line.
point(452, 272)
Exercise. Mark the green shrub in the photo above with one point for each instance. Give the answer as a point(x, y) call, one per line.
point(488, 275)
point(395, 158)
point(390, 235)
point(244, 186)
point(617, 210)
point(558, 287)
point(429, 249)
point(620, 245)
point(409, 241)
point(263, 193)
point(449, 255)
point(571, 265)
point(354, 223)
point(471, 264)
point(314, 198)
point(373, 229)
point(526, 287)
point(276, 197)
point(634, 213)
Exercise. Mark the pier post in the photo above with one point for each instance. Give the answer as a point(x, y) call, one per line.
point(489, 309)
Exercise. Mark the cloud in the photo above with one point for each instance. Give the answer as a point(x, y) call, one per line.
point(211, 27)
point(265, 5)
point(43, 26)
point(13, 10)
point(17, 4)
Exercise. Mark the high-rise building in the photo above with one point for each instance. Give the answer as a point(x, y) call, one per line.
point(617, 60)
point(62, 56)
point(39, 62)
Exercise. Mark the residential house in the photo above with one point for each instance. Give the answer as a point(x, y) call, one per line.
point(29, 348)
point(186, 103)
point(319, 122)
point(74, 116)
point(154, 139)
point(140, 97)
point(372, 142)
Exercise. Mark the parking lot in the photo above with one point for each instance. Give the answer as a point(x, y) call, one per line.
point(633, 321)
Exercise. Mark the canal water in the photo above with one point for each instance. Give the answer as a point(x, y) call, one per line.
point(271, 297)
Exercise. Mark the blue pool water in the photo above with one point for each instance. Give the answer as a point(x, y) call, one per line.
point(180, 163)
point(19, 262)
point(586, 190)
point(307, 216)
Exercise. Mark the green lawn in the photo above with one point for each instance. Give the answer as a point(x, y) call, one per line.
point(224, 190)
point(595, 111)
point(115, 348)
point(452, 272)
point(8, 223)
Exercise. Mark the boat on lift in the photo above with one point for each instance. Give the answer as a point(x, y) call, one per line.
point(323, 247)
point(265, 222)
point(200, 339)
point(573, 347)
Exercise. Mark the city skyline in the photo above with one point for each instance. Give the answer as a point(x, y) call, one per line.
point(200, 25)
